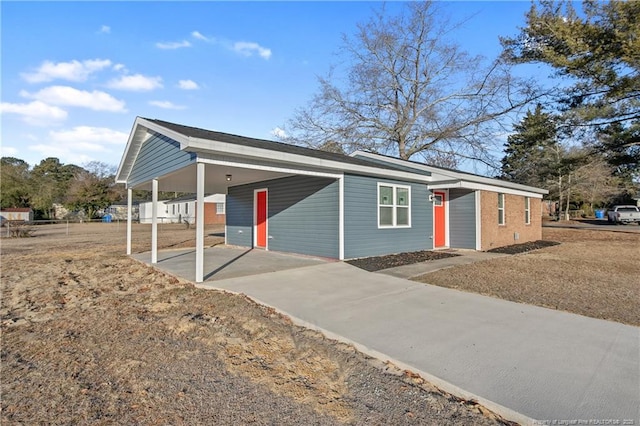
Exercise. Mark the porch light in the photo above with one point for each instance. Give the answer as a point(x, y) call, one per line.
point(228, 177)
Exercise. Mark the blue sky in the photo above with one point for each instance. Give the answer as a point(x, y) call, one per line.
point(76, 74)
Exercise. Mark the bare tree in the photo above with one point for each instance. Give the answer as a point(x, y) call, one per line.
point(410, 92)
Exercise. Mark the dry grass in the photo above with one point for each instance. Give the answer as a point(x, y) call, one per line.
point(592, 273)
point(90, 336)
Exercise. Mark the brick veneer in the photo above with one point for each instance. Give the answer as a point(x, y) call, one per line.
point(494, 235)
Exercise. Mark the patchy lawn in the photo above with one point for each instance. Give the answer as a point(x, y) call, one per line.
point(591, 273)
point(90, 336)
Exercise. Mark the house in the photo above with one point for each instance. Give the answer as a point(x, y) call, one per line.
point(293, 199)
point(182, 209)
point(16, 214)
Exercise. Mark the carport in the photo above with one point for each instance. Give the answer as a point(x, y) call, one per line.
point(163, 156)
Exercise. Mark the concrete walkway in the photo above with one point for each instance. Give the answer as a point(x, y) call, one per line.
point(523, 361)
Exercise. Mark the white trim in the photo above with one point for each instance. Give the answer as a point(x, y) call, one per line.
point(129, 218)
point(154, 221)
point(478, 198)
point(255, 217)
point(199, 211)
point(269, 168)
point(445, 205)
point(211, 146)
point(482, 187)
point(503, 208)
point(341, 217)
point(467, 177)
point(527, 210)
point(394, 205)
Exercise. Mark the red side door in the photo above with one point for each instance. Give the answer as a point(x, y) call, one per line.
point(439, 218)
point(261, 219)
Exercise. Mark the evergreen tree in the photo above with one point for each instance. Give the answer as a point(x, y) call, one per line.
point(532, 152)
point(596, 55)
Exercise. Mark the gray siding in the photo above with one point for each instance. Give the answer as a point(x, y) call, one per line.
point(362, 236)
point(462, 219)
point(303, 215)
point(158, 156)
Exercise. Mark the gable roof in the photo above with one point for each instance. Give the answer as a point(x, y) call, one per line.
point(209, 142)
point(197, 133)
point(444, 176)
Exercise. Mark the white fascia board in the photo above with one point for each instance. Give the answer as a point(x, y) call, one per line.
point(302, 161)
point(139, 134)
point(266, 168)
point(482, 187)
point(130, 152)
point(455, 175)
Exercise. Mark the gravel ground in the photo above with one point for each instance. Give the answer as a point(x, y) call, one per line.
point(377, 263)
point(90, 336)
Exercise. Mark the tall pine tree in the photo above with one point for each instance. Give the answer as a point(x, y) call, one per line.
point(532, 152)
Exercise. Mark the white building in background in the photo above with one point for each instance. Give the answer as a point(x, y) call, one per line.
point(183, 209)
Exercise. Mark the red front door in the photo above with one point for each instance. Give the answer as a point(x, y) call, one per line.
point(261, 218)
point(439, 218)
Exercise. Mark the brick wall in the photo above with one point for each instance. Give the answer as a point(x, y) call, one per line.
point(210, 216)
point(494, 235)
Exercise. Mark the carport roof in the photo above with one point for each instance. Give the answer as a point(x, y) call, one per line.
point(197, 133)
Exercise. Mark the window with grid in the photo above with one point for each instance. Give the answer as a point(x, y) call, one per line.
point(527, 210)
point(219, 208)
point(501, 218)
point(394, 206)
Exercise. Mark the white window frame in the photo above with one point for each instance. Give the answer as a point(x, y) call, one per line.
point(501, 209)
point(527, 210)
point(220, 208)
point(394, 205)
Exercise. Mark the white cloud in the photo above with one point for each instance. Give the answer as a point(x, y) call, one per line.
point(199, 36)
point(81, 144)
point(136, 83)
point(279, 133)
point(71, 71)
point(36, 113)
point(166, 105)
point(105, 29)
point(247, 48)
point(120, 67)
point(244, 48)
point(173, 44)
point(68, 96)
point(188, 85)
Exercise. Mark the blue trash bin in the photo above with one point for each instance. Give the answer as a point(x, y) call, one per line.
point(106, 218)
point(599, 214)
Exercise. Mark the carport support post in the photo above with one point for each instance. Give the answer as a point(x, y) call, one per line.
point(154, 221)
point(129, 215)
point(200, 222)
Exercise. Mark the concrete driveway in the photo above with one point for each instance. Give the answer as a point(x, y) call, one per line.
point(523, 361)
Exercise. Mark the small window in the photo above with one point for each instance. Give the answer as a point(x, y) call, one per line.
point(219, 208)
point(437, 200)
point(186, 208)
point(527, 210)
point(501, 220)
point(394, 206)
point(173, 209)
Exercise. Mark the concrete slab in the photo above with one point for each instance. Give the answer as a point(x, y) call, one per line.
point(222, 262)
point(547, 365)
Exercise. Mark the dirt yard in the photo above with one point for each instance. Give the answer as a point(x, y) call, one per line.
point(592, 273)
point(90, 336)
